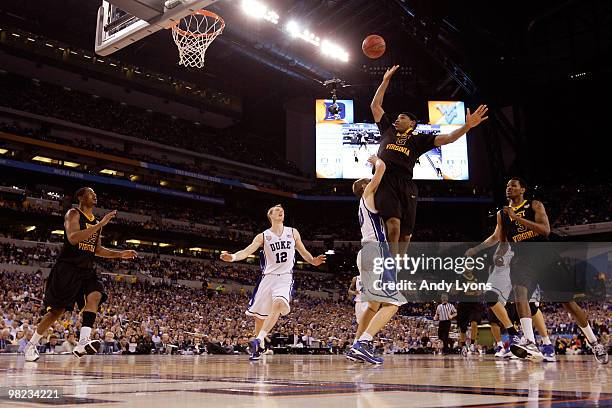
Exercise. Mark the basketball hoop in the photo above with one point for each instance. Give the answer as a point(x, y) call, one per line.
point(193, 34)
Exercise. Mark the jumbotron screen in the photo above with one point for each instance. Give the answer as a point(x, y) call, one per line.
point(343, 147)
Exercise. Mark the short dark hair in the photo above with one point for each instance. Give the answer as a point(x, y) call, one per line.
point(411, 115)
point(521, 182)
point(81, 192)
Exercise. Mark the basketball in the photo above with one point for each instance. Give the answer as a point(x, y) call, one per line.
point(374, 46)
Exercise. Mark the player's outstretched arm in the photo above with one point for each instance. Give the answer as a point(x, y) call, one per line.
point(471, 120)
point(487, 243)
point(379, 171)
point(376, 105)
point(240, 255)
point(111, 253)
point(299, 245)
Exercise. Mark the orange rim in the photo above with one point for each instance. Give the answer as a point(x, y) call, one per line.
point(201, 12)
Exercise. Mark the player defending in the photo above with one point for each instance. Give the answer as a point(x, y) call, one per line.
point(73, 278)
point(372, 231)
point(396, 198)
point(272, 295)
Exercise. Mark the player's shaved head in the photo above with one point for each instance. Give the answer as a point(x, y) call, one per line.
point(359, 186)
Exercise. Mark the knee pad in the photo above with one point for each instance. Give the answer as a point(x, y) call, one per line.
point(534, 308)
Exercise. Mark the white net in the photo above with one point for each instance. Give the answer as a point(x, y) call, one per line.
point(193, 34)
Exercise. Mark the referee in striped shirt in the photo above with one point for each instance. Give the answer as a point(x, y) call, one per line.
point(445, 312)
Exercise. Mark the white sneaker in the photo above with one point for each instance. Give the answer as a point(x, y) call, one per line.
point(528, 350)
point(599, 351)
point(31, 352)
point(86, 346)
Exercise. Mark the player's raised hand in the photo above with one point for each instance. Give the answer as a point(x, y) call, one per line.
point(129, 254)
point(227, 257)
point(474, 119)
point(108, 217)
point(390, 72)
point(318, 260)
point(372, 159)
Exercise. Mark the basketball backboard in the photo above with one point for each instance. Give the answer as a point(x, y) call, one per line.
point(123, 22)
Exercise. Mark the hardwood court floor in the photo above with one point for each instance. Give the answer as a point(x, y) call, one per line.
point(307, 381)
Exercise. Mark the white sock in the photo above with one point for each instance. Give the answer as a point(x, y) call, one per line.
point(500, 344)
point(36, 338)
point(588, 332)
point(546, 341)
point(85, 333)
point(262, 336)
point(527, 328)
point(366, 337)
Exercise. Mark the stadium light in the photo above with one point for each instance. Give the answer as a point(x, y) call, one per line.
point(293, 28)
point(295, 31)
point(334, 51)
point(259, 10)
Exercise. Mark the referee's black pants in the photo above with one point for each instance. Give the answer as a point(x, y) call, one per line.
point(443, 331)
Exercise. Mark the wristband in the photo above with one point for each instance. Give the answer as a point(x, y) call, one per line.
point(233, 257)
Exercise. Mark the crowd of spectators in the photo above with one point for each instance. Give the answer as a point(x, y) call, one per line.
point(101, 113)
point(192, 165)
point(22, 255)
point(145, 318)
point(174, 269)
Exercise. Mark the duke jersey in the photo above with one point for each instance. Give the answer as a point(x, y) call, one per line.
point(278, 252)
point(83, 253)
point(371, 223)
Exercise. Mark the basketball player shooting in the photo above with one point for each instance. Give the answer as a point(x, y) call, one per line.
point(396, 198)
point(272, 294)
point(73, 278)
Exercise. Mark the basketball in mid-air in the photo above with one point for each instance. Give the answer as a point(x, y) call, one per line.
point(374, 46)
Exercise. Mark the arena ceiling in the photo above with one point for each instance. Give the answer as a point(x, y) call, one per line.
point(497, 45)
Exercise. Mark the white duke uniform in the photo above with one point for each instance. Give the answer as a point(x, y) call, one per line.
point(372, 228)
point(276, 280)
point(500, 282)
